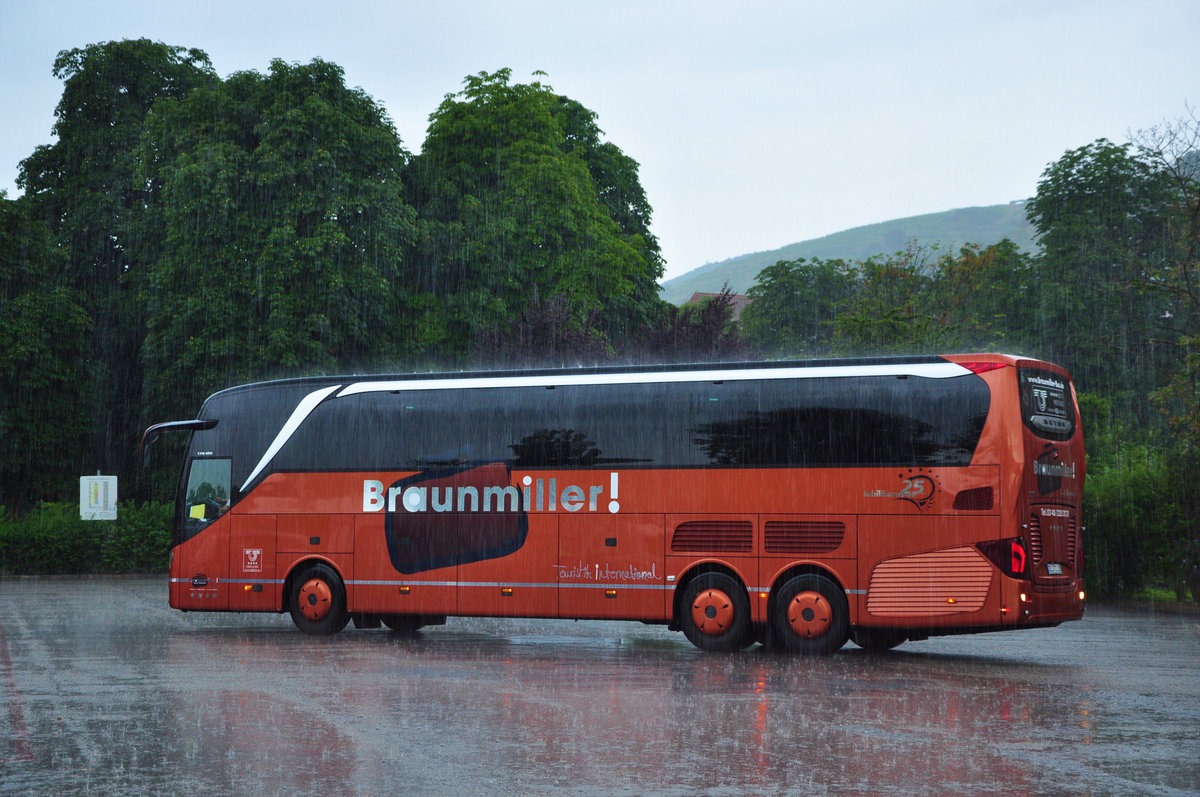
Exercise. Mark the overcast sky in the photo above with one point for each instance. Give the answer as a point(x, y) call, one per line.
point(757, 127)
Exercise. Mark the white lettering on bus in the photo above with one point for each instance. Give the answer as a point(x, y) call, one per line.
point(1054, 383)
point(372, 495)
point(1052, 469)
point(536, 495)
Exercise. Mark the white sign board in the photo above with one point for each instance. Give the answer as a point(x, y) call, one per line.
point(98, 497)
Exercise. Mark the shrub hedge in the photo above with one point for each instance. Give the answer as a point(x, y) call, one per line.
point(52, 539)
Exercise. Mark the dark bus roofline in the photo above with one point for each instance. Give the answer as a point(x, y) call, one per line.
point(605, 369)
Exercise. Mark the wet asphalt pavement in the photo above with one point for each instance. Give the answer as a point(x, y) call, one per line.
point(106, 690)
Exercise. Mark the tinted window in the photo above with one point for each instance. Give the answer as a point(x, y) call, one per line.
point(1046, 405)
point(852, 421)
point(848, 421)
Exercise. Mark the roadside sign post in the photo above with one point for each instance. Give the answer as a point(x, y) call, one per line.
point(98, 497)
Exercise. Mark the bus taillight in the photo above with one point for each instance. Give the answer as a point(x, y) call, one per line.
point(1008, 555)
point(1017, 550)
point(981, 368)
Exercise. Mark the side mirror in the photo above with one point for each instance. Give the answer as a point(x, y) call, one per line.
point(154, 432)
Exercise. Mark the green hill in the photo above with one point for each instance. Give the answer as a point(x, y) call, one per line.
point(948, 230)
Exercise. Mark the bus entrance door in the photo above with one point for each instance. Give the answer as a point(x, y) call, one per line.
point(200, 558)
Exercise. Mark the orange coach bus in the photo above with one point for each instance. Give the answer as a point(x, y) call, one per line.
point(792, 503)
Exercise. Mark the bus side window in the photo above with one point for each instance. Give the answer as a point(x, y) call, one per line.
point(207, 491)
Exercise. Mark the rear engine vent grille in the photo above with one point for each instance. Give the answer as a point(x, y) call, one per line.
point(1053, 537)
point(977, 499)
point(1072, 542)
point(1035, 539)
point(1036, 549)
point(803, 537)
point(723, 536)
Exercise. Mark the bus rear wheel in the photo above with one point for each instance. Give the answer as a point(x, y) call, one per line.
point(318, 601)
point(714, 612)
point(810, 615)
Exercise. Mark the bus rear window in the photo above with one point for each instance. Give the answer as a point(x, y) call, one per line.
point(1046, 405)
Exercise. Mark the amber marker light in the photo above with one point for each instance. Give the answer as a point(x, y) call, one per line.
point(1081, 595)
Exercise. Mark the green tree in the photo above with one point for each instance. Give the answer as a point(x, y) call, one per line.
point(515, 192)
point(1117, 304)
point(983, 298)
point(43, 336)
point(84, 187)
point(1131, 505)
point(615, 177)
point(892, 310)
point(1103, 219)
point(1174, 149)
point(282, 225)
point(794, 304)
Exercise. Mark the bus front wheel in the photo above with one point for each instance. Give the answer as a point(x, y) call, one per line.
point(318, 601)
point(714, 612)
point(810, 615)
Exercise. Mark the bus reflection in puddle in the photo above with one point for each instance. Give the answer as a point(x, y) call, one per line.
point(564, 713)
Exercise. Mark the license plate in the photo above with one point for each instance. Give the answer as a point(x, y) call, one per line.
point(1053, 569)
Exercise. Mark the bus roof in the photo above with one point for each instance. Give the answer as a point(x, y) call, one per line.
point(920, 365)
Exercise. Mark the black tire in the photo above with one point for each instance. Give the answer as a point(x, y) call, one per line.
point(318, 601)
point(877, 640)
point(714, 612)
point(810, 615)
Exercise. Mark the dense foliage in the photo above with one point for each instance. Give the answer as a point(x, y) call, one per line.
point(274, 233)
point(84, 188)
point(186, 232)
point(518, 198)
point(52, 539)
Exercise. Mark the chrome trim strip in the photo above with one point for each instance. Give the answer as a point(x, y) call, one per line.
point(943, 370)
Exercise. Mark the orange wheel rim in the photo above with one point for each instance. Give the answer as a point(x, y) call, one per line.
point(712, 612)
point(809, 614)
point(316, 599)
